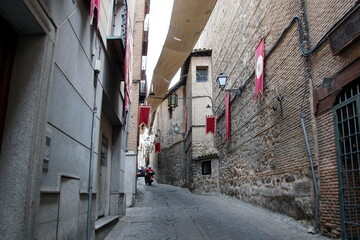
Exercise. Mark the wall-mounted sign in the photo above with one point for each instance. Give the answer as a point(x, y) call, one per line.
point(346, 32)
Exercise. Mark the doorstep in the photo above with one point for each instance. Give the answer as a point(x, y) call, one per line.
point(101, 222)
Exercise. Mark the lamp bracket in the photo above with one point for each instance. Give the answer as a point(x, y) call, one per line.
point(237, 91)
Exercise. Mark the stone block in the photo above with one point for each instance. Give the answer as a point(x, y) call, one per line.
point(47, 230)
point(48, 210)
point(302, 188)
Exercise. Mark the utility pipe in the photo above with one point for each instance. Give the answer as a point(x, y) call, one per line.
point(212, 102)
point(316, 188)
point(91, 170)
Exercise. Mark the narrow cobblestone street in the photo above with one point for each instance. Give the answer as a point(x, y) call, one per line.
point(167, 212)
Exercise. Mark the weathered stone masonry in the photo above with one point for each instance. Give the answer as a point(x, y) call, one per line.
point(266, 161)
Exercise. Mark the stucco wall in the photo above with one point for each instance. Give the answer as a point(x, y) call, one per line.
point(198, 107)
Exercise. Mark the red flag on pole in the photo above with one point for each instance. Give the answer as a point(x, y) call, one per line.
point(210, 124)
point(259, 72)
point(227, 116)
point(157, 147)
point(144, 113)
point(94, 12)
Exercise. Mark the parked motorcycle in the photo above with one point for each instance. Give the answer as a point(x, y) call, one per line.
point(149, 177)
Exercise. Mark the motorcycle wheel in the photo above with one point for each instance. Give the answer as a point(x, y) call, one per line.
point(149, 183)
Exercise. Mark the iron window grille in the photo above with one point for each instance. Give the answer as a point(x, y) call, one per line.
point(347, 129)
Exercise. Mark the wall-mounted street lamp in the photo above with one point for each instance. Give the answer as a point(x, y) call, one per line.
point(176, 128)
point(327, 82)
point(221, 81)
point(158, 135)
point(172, 101)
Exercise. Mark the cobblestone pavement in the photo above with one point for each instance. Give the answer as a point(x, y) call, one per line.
point(166, 212)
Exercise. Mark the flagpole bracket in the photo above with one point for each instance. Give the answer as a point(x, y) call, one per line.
point(237, 91)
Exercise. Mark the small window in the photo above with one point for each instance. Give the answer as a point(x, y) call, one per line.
point(201, 74)
point(206, 168)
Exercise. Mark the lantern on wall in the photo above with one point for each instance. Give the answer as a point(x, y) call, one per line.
point(172, 100)
point(221, 80)
point(176, 128)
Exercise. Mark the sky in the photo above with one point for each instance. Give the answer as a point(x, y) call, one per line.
point(159, 21)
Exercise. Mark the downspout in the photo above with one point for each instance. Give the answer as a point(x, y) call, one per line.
point(90, 183)
point(308, 75)
point(306, 53)
point(316, 188)
point(91, 169)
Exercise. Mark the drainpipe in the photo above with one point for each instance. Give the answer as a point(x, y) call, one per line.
point(316, 188)
point(91, 169)
point(305, 39)
point(90, 183)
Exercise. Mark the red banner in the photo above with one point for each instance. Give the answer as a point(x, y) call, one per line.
point(144, 113)
point(210, 124)
point(94, 12)
point(227, 116)
point(259, 72)
point(157, 147)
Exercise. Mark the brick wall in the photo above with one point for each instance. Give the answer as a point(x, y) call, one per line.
point(136, 74)
point(324, 64)
point(201, 143)
point(266, 162)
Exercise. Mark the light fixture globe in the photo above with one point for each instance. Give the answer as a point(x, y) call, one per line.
point(176, 128)
point(221, 80)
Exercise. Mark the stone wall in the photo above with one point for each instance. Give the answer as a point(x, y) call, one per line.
point(324, 64)
point(205, 183)
point(172, 167)
point(266, 161)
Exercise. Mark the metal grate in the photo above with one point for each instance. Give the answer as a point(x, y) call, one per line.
point(347, 120)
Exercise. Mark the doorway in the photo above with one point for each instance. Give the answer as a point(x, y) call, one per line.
point(103, 194)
